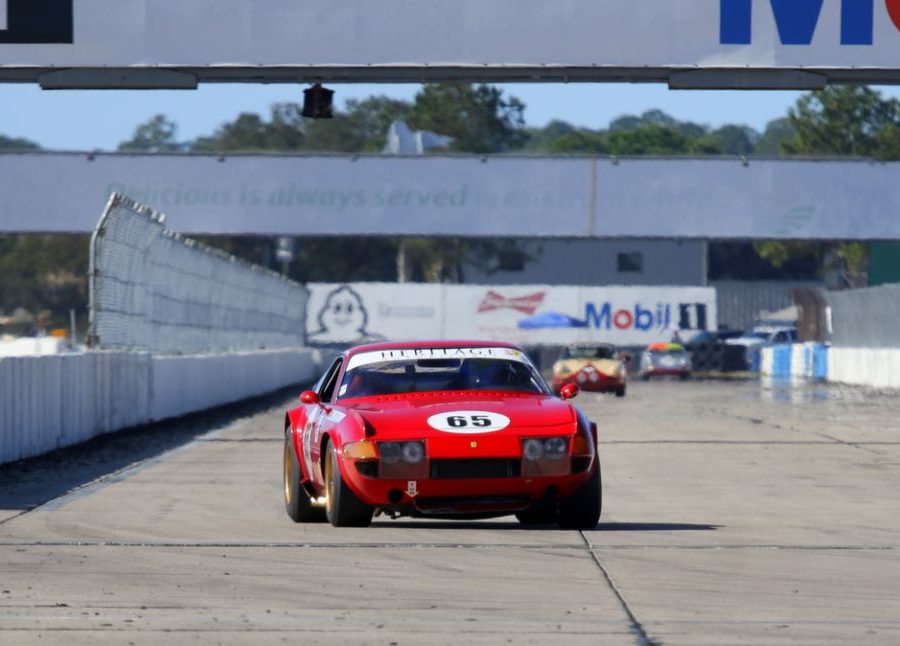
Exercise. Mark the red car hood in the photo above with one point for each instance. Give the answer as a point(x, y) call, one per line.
point(407, 415)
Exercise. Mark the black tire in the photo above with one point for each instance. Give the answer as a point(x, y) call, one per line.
point(342, 507)
point(685, 376)
point(543, 512)
point(620, 391)
point(646, 376)
point(581, 510)
point(296, 500)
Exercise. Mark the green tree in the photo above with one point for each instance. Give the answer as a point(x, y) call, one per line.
point(156, 135)
point(844, 120)
point(539, 138)
point(648, 139)
point(777, 132)
point(735, 140)
point(16, 144)
point(44, 273)
point(249, 132)
point(582, 141)
point(478, 117)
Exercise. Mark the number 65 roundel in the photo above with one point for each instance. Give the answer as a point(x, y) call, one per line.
point(468, 421)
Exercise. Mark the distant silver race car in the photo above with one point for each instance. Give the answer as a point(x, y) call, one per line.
point(665, 359)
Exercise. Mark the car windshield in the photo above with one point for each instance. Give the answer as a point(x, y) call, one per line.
point(590, 352)
point(436, 374)
point(666, 353)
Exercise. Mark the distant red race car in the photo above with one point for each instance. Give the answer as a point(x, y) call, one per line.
point(442, 430)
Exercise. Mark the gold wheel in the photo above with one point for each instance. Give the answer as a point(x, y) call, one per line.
point(288, 473)
point(329, 484)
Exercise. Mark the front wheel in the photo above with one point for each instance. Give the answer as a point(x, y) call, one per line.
point(342, 507)
point(581, 510)
point(620, 391)
point(296, 501)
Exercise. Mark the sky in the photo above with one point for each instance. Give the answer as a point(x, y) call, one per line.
point(99, 120)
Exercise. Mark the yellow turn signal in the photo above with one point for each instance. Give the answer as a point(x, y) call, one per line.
point(582, 445)
point(362, 450)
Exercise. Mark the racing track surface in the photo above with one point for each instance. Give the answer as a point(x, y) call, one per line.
point(732, 515)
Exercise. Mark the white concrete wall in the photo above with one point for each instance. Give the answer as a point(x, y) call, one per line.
point(875, 367)
point(32, 345)
point(55, 401)
point(182, 384)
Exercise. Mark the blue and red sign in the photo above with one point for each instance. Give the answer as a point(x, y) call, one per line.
point(797, 20)
point(606, 316)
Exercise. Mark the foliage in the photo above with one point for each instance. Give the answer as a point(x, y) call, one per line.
point(479, 118)
point(249, 132)
point(156, 135)
point(16, 144)
point(844, 120)
point(777, 132)
point(44, 272)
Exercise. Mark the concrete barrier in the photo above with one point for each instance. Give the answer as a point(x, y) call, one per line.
point(795, 360)
point(49, 402)
point(875, 367)
point(28, 346)
point(182, 384)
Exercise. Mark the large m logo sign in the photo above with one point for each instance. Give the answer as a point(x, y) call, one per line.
point(35, 21)
point(797, 19)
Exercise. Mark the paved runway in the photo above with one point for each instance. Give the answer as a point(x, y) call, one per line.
point(734, 513)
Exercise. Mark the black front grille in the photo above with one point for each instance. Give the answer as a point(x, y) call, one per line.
point(475, 468)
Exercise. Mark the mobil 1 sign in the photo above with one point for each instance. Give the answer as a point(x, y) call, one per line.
point(566, 314)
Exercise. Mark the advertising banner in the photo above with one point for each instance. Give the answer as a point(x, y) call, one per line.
point(460, 196)
point(767, 199)
point(525, 314)
point(314, 195)
point(290, 40)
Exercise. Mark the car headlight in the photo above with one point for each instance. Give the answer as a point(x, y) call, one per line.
point(545, 456)
point(555, 448)
point(394, 452)
point(390, 452)
point(551, 448)
point(533, 449)
point(413, 452)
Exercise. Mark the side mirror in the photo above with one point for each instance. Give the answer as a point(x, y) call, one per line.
point(309, 397)
point(568, 391)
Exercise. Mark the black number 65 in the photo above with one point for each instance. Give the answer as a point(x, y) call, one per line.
point(460, 421)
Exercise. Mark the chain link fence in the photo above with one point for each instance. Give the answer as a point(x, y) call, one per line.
point(156, 291)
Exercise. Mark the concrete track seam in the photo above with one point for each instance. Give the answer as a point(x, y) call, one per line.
point(636, 627)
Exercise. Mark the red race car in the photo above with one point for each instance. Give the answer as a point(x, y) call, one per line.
point(441, 430)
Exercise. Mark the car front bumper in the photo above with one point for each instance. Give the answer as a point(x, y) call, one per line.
point(469, 495)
